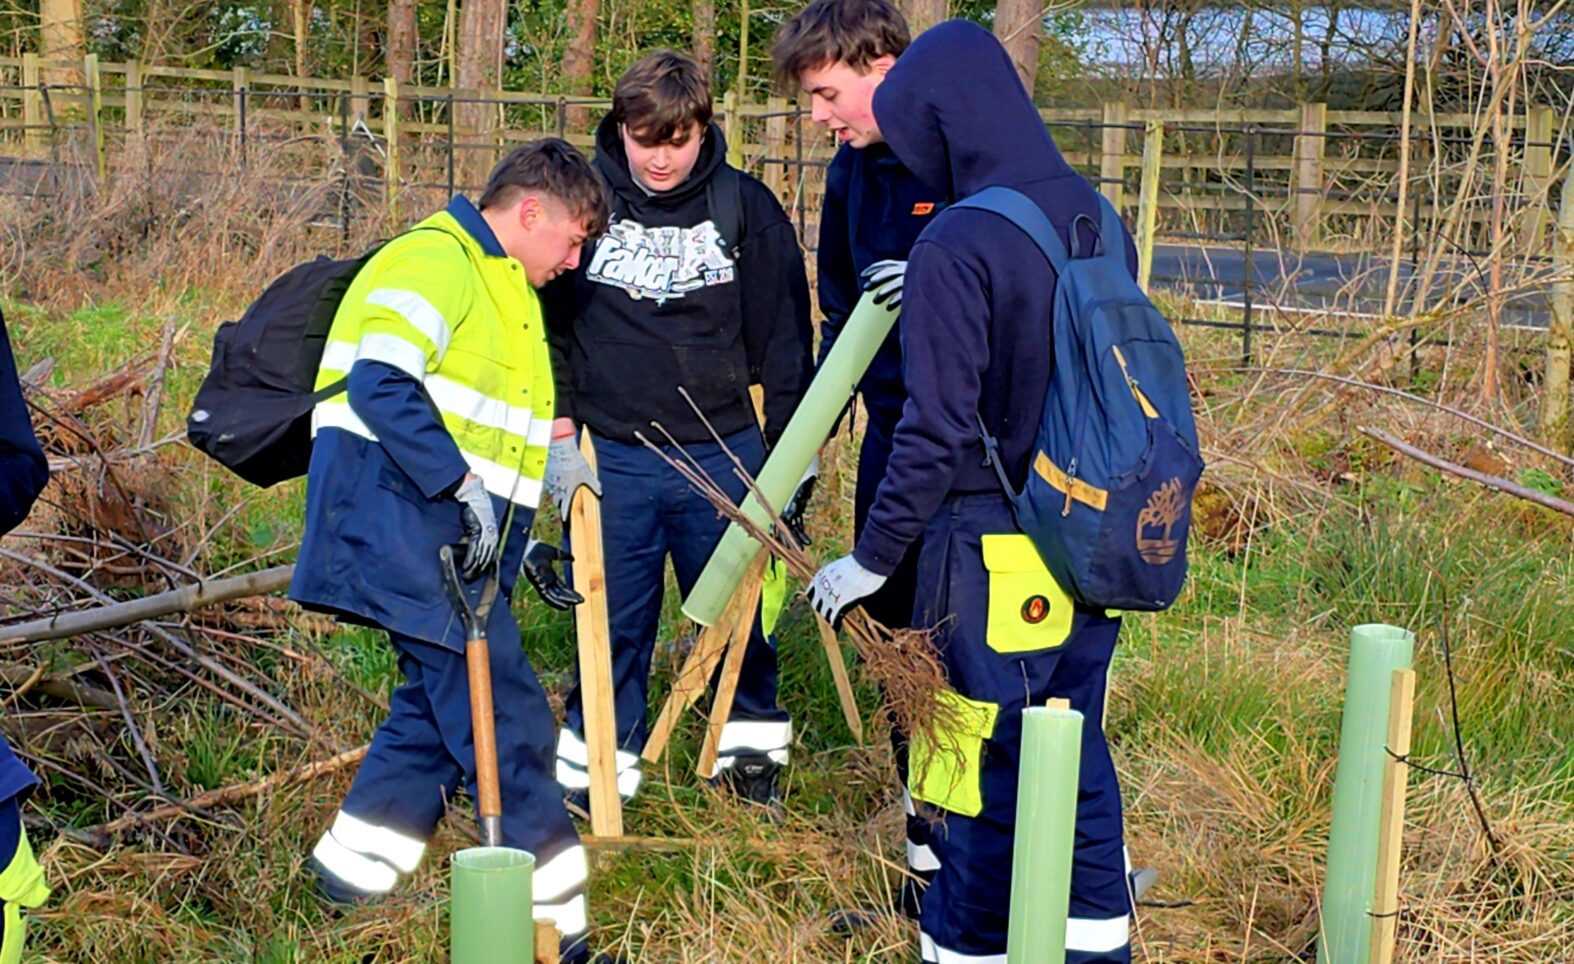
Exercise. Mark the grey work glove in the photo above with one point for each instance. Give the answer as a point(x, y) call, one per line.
point(793, 515)
point(567, 470)
point(480, 524)
point(837, 586)
point(538, 567)
point(884, 279)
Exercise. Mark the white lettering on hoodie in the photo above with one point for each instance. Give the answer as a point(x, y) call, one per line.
point(660, 263)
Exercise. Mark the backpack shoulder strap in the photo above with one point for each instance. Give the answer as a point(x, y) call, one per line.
point(1110, 229)
point(724, 202)
point(1015, 207)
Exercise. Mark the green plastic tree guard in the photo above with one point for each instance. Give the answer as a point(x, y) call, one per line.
point(1045, 831)
point(1351, 887)
point(833, 385)
point(490, 917)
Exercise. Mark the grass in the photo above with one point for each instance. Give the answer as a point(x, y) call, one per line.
point(1224, 712)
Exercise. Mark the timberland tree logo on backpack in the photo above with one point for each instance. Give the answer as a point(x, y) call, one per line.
point(1156, 523)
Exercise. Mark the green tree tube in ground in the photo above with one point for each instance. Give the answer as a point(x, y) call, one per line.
point(833, 385)
point(1046, 828)
point(490, 917)
point(1351, 887)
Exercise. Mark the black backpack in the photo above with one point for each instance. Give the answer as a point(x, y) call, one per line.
point(253, 411)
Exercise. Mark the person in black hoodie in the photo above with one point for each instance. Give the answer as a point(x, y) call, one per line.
point(23, 474)
point(975, 321)
point(695, 292)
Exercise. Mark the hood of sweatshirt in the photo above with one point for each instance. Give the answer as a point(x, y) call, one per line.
point(965, 136)
point(613, 163)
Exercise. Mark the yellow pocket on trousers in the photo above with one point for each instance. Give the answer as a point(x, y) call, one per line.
point(1027, 609)
point(944, 768)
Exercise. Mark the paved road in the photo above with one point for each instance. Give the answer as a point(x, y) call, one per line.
point(1352, 283)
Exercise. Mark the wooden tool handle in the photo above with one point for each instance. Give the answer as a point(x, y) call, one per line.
point(484, 729)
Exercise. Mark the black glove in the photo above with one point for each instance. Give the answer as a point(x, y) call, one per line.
point(793, 515)
point(537, 567)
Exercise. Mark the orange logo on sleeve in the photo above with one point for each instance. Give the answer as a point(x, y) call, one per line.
point(923, 207)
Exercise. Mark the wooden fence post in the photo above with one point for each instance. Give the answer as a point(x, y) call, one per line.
point(391, 171)
point(1311, 145)
point(732, 128)
point(95, 106)
point(1148, 200)
point(32, 105)
point(775, 140)
point(1539, 126)
point(1112, 165)
point(240, 84)
point(134, 120)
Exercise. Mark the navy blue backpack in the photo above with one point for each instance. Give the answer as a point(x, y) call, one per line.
point(1107, 500)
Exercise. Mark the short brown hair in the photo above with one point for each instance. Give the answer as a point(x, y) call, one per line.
point(556, 168)
point(853, 32)
point(662, 95)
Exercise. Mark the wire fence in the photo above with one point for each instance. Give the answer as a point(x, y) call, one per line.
point(1283, 228)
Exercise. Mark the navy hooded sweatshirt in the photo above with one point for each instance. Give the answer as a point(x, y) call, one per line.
point(978, 295)
point(23, 474)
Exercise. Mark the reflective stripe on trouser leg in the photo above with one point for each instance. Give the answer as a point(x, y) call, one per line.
point(921, 859)
point(367, 857)
point(573, 765)
point(934, 953)
point(558, 889)
point(768, 738)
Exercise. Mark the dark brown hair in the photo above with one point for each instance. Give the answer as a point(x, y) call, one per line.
point(554, 167)
point(662, 95)
point(854, 32)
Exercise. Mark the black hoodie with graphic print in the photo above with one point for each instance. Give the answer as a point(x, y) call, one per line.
point(659, 302)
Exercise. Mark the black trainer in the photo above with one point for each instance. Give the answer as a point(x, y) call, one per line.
point(752, 776)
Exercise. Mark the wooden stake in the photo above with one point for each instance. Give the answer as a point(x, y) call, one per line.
point(1385, 904)
point(844, 686)
point(727, 685)
point(595, 656)
point(1148, 199)
point(694, 676)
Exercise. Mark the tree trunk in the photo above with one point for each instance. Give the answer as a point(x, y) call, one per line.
point(1560, 331)
point(923, 14)
point(1020, 25)
point(60, 38)
point(298, 11)
point(480, 65)
point(704, 37)
point(401, 40)
point(579, 57)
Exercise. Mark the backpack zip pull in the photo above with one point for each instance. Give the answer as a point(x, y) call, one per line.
point(1071, 481)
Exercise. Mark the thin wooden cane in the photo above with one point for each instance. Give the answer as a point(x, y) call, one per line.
point(727, 685)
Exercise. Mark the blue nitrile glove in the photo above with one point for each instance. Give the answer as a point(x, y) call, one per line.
point(480, 525)
point(837, 586)
point(884, 279)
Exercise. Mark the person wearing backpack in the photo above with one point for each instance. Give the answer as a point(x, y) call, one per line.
point(976, 311)
point(696, 292)
point(838, 52)
point(441, 440)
